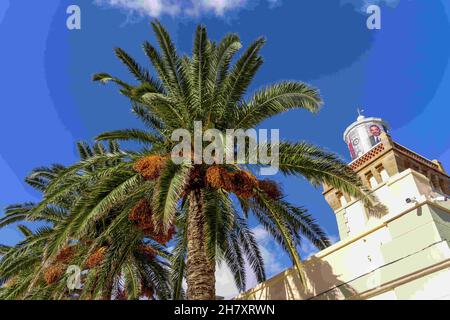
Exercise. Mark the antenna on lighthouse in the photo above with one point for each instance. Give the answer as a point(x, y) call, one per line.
point(360, 113)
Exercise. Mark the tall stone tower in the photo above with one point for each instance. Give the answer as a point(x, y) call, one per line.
point(402, 253)
point(381, 163)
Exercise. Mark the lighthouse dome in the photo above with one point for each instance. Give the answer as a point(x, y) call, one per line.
point(364, 134)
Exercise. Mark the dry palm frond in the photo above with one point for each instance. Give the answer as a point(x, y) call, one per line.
point(150, 167)
point(11, 282)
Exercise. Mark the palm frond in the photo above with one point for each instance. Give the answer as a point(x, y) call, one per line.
point(277, 99)
point(319, 166)
point(129, 134)
point(167, 195)
point(25, 230)
point(237, 82)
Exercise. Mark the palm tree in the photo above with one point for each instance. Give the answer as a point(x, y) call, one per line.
point(207, 205)
point(118, 262)
point(134, 272)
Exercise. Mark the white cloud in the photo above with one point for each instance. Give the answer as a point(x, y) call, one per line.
point(157, 8)
point(261, 234)
point(225, 286)
point(153, 8)
point(269, 250)
point(271, 261)
point(307, 249)
point(219, 7)
point(224, 279)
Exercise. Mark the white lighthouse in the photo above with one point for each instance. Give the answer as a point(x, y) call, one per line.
point(404, 253)
point(364, 134)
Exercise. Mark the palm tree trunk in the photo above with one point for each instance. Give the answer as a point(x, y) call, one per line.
point(107, 291)
point(200, 270)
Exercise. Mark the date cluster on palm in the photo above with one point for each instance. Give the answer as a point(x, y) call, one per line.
point(53, 273)
point(142, 216)
point(242, 183)
point(150, 167)
point(195, 181)
point(148, 251)
point(270, 188)
point(65, 254)
point(96, 258)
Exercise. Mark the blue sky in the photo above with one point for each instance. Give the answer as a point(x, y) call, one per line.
point(400, 73)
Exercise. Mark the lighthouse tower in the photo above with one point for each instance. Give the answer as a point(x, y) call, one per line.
point(400, 252)
point(397, 176)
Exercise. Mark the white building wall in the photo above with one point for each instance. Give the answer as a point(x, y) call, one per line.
point(402, 255)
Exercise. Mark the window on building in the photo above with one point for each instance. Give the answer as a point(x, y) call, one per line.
point(371, 180)
point(342, 199)
point(444, 188)
point(383, 173)
point(436, 184)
